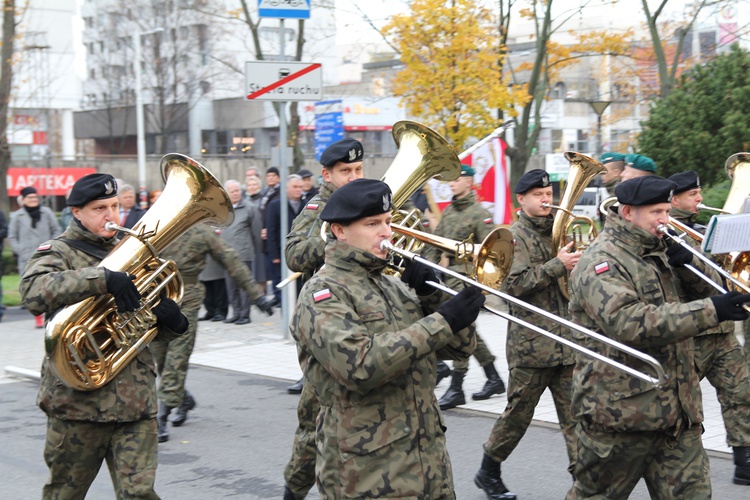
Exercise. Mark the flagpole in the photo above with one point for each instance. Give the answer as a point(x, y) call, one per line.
point(499, 130)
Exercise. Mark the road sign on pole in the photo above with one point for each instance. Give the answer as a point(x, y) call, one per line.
point(283, 81)
point(285, 9)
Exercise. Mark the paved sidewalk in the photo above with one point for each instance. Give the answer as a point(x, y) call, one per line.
point(265, 348)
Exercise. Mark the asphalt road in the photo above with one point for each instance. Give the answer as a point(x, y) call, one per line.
point(236, 442)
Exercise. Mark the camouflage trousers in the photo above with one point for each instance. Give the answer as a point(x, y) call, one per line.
point(610, 464)
point(173, 358)
point(74, 452)
point(525, 387)
point(482, 354)
point(299, 473)
point(721, 359)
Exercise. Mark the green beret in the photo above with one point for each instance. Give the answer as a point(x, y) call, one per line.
point(641, 162)
point(611, 157)
point(357, 199)
point(92, 187)
point(346, 151)
point(536, 178)
point(686, 181)
point(467, 171)
point(646, 190)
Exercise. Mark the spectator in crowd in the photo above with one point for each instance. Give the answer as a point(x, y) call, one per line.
point(308, 188)
point(253, 188)
point(66, 215)
point(241, 234)
point(30, 226)
point(273, 223)
point(130, 213)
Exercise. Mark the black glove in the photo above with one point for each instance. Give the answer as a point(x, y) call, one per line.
point(122, 288)
point(729, 306)
point(169, 314)
point(265, 304)
point(679, 255)
point(415, 274)
point(463, 309)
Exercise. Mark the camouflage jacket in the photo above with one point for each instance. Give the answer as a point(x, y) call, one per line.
point(533, 279)
point(624, 288)
point(58, 275)
point(369, 351)
point(462, 218)
point(189, 252)
point(688, 219)
point(305, 249)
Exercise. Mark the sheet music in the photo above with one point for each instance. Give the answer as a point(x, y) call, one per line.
point(727, 233)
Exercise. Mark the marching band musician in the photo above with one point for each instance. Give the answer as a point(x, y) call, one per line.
point(465, 217)
point(536, 362)
point(368, 344)
point(305, 252)
point(718, 354)
point(115, 422)
point(625, 287)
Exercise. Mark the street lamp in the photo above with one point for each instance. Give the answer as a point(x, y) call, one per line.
point(599, 107)
point(140, 131)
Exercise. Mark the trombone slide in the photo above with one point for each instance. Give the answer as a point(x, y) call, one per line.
point(657, 381)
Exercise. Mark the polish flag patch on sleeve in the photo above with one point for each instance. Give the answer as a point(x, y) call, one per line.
point(321, 295)
point(601, 268)
point(43, 248)
point(311, 206)
point(488, 220)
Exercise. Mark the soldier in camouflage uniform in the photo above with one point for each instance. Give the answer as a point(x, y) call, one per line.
point(369, 351)
point(628, 288)
point(465, 220)
point(614, 163)
point(536, 362)
point(305, 253)
point(718, 354)
point(116, 422)
point(189, 252)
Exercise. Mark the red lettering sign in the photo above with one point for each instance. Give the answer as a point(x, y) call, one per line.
point(47, 181)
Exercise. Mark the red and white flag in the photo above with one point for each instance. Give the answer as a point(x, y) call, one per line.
point(491, 181)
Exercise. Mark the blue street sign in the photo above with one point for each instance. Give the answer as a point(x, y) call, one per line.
point(285, 9)
point(329, 125)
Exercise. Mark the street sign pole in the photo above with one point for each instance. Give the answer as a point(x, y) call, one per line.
point(288, 293)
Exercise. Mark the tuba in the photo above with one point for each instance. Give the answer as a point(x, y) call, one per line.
point(737, 167)
point(89, 343)
point(582, 170)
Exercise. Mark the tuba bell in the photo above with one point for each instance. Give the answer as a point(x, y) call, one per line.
point(582, 170)
point(89, 343)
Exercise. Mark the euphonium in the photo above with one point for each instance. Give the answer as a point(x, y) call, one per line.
point(582, 170)
point(89, 343)
point(737, 167)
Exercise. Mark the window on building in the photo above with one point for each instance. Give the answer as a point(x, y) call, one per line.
point(92, 73)
point(222, 144)
point(582, 141)
point(559, 91)
point(619, 140)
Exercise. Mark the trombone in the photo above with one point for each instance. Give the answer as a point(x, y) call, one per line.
point(658, 381)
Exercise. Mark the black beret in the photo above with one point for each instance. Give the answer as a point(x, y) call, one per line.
point(357, 199)
point(647, 190)
point(92, 187)
point(536, 178)
point(27, 191)
point(685, 181)
point(273, 170)
point(346, 151)
point(304, 173)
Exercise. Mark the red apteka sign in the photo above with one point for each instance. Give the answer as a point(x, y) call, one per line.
point(47, 181)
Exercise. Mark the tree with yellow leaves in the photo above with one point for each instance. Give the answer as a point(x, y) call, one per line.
point(452, 77)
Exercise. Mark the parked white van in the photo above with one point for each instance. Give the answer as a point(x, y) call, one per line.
point(588, 203)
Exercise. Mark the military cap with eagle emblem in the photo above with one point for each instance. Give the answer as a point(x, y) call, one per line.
point(92, 187)
point(357, 199)
point(345, 151)
point(685, 181)
point(648, 190)
point(536, 178)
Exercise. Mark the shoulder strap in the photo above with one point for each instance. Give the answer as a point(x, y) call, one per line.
point(86, 247)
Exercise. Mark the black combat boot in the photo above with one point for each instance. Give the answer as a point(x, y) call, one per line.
point(288, 495)
point(454, 396)
point(742, 461)
point(296, 388)
point(494, 384)
point(161, 420)
point(443, 371)
point(180, 414)
point(488, 480)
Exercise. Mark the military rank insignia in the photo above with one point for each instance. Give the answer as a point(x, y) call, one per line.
point(321, 295)
point(311, 206)
point(601, 268)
